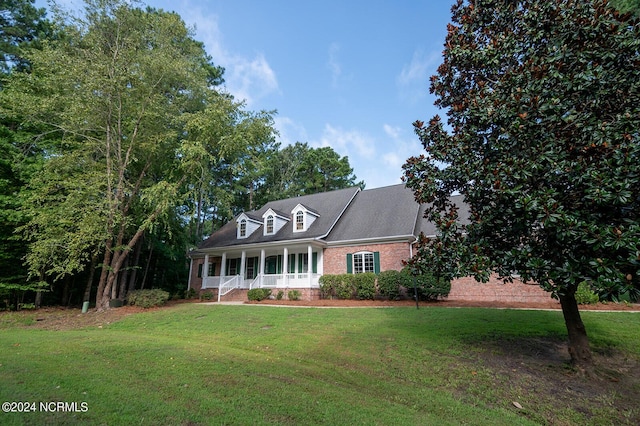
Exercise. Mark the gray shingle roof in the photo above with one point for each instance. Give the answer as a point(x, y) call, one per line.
point(381, 213)
point(385, 212)
point(328, 205)
point(429, 228)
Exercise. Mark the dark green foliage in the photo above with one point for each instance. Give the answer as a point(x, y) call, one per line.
point(348, 286)
point(542, 142)
point(430, 288)
point(341, 286)
point(190, 294)
point(280, 295)
point(365, 285)
point(258, 294)
point(20, 23)
point(294, 295)
point(390, 284)
point(300, 169)
point(148, 298)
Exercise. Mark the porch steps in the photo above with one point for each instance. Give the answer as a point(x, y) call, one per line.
point(235, 295)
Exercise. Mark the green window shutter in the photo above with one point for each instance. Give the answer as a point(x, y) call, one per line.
point(300, 262)
point(314, 262)
point(292, 263)
point(279, 265)
point(200, 270)
point(376, 262)
point(349, 263)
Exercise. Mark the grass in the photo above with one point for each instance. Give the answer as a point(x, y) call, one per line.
point(194, 364)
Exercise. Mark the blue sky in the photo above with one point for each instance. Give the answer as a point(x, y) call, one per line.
point(348, 74)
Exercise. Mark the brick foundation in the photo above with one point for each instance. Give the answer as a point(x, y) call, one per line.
point(240, 295)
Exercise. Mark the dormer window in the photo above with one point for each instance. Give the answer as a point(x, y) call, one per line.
point(273, 221)
point(303, 218)
point(300, 221)
point(269, 226)
point(246, 225)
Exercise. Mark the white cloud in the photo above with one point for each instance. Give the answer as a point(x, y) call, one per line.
point(334, 64)
point(404, 146)
point(246, 78)
point(289, 131)
point(413, 79)
point(347, 142)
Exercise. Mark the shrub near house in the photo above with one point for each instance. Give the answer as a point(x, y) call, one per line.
point(390, 285)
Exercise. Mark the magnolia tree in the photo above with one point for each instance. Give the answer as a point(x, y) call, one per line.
point(542, 141)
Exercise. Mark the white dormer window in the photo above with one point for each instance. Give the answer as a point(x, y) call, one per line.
point(300, 221)
point(269, 225)
point(246, 226)
point(303, 218)
point(273, 222)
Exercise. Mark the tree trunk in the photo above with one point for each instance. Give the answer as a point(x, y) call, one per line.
point(124, 276)
point(146, 268)
point(136, 265)
point(578, 341)
point(106, 262)
point(92, 270)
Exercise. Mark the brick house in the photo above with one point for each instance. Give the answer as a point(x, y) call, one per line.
point(288, 244)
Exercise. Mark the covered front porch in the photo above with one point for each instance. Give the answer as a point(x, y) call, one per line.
point(294, 266)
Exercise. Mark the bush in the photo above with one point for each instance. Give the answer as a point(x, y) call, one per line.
point(345, 288)
point(280, 295)
point(429, 287)
point(148, 298)
point(340, 286)
point(258, 294)
point(586, 296)
point(328, 286)
point(391, 282)
point(190, 294)
point(294, 295)
point(365, 285)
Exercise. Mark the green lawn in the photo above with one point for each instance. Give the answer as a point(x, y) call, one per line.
point(198, 364)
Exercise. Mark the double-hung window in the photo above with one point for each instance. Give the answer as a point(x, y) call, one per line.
point(361, 262)
point(300, 221)
point(269, 225)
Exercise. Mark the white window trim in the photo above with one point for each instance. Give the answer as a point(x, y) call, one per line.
point(308, 217)
point(362, 255)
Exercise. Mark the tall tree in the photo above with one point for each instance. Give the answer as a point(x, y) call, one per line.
point(543, 106)
point(299, 169)
point(21, 25)
point(128, 91)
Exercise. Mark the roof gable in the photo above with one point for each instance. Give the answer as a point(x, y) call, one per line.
point(328, 206)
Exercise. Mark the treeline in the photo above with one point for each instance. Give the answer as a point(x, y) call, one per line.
point(120, 151)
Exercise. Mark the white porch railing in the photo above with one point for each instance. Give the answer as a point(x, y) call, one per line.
point(296, 280)
point(255, 283)
point(229, 285)
point(272, 280)
point(210, 282)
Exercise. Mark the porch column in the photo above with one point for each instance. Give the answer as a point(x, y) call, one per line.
point(190, 273)
point(309, 264)
point(261, 266)
point(285, 267)
point(205, 271)
point(243, 262)
point(223, 267)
